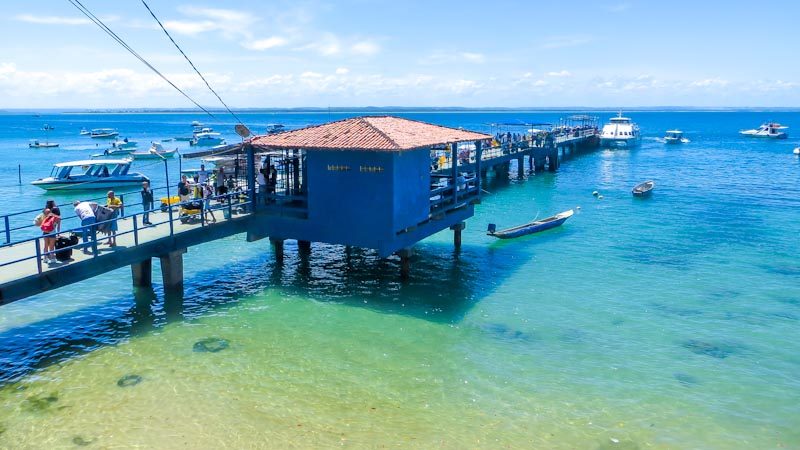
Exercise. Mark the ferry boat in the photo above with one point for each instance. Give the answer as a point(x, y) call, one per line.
point(35, 143)
point(103, 133)
point(771, 130)
point(91, 174)
point(156, 151)
point(675, 137)
point(207, 138)
point(620, 132)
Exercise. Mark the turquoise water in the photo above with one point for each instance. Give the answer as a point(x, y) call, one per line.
point(669, 322)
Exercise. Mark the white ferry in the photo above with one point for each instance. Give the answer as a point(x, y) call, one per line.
point(770, 130)
point(91, 174)
point(620, 132)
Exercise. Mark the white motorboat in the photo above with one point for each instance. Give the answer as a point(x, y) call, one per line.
point(35, 143)
point(84, 132)
point(675, 137)
point(275, 128)
point(91, 174)
point(205, 138)
point(114, 153)
point(124, 143)
point(620, 132)
point(796, 151)
point(771, 130)
point(103, 133)
point(156, 151)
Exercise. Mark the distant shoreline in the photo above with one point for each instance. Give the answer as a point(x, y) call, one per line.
point(396, 109)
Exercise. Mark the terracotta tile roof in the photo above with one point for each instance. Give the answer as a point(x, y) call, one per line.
point(368, 133)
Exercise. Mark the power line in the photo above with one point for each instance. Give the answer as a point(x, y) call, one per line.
point(190, 62)
point(83, 9)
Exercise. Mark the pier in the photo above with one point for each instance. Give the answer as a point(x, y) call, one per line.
point(382, 183)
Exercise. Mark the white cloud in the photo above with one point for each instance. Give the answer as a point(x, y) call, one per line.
point(619, 7)
point(478, 58)
point(709, 82)
point(229, 23)
point(342, 71)
point(367, 48)
point(60, 20)
point(265, 44)
point(559, 74)
point(440, 58)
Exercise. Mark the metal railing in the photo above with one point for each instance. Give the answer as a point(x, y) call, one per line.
point(230, 204)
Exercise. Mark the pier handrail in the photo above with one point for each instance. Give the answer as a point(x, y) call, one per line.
point(224, 201)
point(8, 228)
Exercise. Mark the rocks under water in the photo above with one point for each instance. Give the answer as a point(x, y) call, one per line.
point(129, 380)
point(40, 402)
point(720, 351)
point(210, 345)
point(685, 379)
point(502, 331)
point(81, 442)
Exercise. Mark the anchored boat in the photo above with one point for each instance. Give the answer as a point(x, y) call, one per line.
point(207, 137)
point(771, 130)
point(156, 151)
point(103, 133)
point(35, 143)
point(643, 189)
point(620, 132)
point(90, 174)
point(530, 227)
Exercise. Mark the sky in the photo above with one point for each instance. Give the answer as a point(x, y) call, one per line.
point(347, 53)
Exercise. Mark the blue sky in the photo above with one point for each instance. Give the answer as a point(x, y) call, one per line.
point(405, 53)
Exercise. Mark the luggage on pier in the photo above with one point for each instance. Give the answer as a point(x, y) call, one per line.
point(64, 247)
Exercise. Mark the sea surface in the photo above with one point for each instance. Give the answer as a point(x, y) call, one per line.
point(667, 323)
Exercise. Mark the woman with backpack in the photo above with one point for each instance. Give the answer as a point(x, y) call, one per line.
point(50, 225)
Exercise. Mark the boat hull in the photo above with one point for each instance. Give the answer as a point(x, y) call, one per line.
point(643, 189)
point(148, 155)
point(88, 185)
point(618, 143)
point(533, 227)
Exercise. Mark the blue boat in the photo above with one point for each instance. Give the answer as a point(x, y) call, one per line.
point(530, 227)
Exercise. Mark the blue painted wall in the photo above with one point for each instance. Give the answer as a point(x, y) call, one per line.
point(412, 180)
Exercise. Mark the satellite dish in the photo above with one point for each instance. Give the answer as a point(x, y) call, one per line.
point(242, 131)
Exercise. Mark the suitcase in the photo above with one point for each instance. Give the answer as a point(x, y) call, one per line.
point(63, 247)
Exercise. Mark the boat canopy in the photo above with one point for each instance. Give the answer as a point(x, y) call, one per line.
point(674, 132)
point(105, 130)
point(93, 162)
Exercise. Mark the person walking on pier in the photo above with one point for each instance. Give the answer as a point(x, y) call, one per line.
point(261, 180)
point(184, 189)
point(49, 227)
point(208, 194)
point(147, 202)
point(85, 212)
point(115, 203)
point(202, 175)
point(219, 182)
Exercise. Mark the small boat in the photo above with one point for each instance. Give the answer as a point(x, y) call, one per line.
point(84, 132)
point(35, 143)
point(156, 151)
point(114, 152)
point(620, 132)
point(275, 128)
point(196, 124)
point(796, 151)
point(124, 143)
point(530, 227)
point(91, 174)
point(643, 189)
point(675, 137)
point(48, 127)
point(103, 133)
point(771, 130)
point(206, 138)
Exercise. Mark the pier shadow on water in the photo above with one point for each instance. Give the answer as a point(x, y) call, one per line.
point(442, 287)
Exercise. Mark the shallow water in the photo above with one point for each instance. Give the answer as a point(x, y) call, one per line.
point(669, 322)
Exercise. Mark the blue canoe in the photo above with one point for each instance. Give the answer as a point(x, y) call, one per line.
point(530, 227)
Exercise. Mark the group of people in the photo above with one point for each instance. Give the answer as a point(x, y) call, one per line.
point(200, 188)
point(267, 180)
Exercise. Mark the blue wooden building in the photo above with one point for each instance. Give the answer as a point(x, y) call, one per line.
point(371, 182)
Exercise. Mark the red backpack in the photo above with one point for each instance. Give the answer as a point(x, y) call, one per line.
point(49, 223)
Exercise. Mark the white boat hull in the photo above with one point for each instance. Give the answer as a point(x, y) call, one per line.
point(619, 142)
point(148, 155)
point(85, 185)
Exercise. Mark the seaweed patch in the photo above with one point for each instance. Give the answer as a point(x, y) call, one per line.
point(502, 331)
point(129, 380)
point(40, 402)
point(81, 442)
point(685, 379)
point(210, 345)
point(709, 349)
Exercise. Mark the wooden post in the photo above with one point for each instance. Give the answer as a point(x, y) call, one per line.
point(142, 273)
point(521, 167)
point(457, 228)
point(304, 246)
point(277, 245)
point(454, 159)
point(405, 262)
point(172, 271)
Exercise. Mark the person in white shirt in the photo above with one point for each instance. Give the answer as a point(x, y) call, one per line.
point(85, 212)
point(202, 175)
